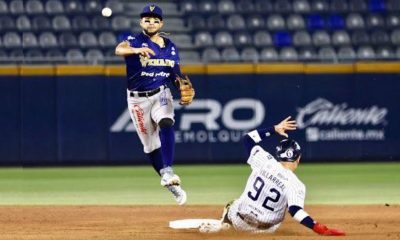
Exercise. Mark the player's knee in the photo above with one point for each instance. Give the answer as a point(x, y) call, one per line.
point(166, 122)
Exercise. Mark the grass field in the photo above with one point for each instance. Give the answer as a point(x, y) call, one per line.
point(362, 183)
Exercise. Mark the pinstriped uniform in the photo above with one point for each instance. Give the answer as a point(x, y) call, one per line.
point(270, 189)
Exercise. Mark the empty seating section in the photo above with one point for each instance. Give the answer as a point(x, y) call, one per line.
point(205, 30)
point(55, 30)
point(294, 30)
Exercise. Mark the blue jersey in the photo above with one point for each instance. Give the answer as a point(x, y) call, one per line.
point(144, 73)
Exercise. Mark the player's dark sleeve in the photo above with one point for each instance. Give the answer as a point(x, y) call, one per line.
point(301, 216)
point(252, 138)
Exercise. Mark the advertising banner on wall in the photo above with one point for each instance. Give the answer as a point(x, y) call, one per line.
point(85, 120)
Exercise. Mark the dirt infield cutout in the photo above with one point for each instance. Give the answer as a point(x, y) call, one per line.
point(151, 222)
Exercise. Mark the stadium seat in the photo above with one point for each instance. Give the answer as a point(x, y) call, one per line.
point(33, 53)
point(282, 39)
point(93, 6)
point(245, 6)
point(262, 39)
point(307, 54)
point(16, 7)
point(7, 23)
point(398, 53)
point(173, 24)
point(33, 7)
point(16, 54)
point(276, 22)
point(235, 22)
point(41, 23)
point(346, 54)
point(377, 6)
point(211, 55)
point(249, 54)
point(189, 56)
point(295, 22)
point(223, 39)
point(216, 22)
point(3, 56)
point(203, 39)
point(339, 6)
point(54, 54)
point(115, 5)
point(264, 7)
point(255, 22)
point(341, 38)
point(301, 38)
point(360, 38)
point(319, 6)
point(61, 23)
point(327, 54)
point(12, 40)
point(47, 40)
point(380, 37)
point(288, 54)
point(29, 40)
point(393, 21)
point(67, 40)
point(120, 23)
point(23, 23)
point(315, 22)
point(230, 54)
point(395, 37)
point(207, 6)
point(269, 55)
point(81, 22)
point(375, 21)
point(321, 38)
point(73, 7)
point(188, 6)
point(87, 40)
point(226, 7)
point(393, 5)
point(354, 21)
point(74, 56)
point(283, 6)
point(107, 39)
point(54, 7)
point(301, 6)
point(100, 23)
point(358, 6)
point(242, 39)
point(94, 56)
point(3, 7)
point(365, 53)
point(336, 22)
point(385, 53)
point(196, 22)
point(183, 41)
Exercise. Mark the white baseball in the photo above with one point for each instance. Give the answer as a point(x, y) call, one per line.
point(106, 12)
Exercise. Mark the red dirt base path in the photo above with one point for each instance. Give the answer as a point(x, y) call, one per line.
point(151, 222)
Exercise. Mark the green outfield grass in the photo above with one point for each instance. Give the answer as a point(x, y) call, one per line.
point(363, 183)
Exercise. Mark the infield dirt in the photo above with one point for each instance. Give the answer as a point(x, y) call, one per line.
point(151, 222)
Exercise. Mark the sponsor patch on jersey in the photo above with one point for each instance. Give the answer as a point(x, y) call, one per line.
point(145, 45)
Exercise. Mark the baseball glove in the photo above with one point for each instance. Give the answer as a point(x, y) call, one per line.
point(186, 89)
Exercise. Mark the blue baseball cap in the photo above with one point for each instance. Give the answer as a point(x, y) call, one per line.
point(151, 10)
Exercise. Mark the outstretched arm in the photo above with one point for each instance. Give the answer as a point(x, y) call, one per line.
point(302, 217)
point(124, 49)
point(256, 136)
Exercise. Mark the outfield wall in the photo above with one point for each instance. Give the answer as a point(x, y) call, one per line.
point(77, 114)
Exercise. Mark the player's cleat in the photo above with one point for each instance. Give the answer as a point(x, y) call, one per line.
point(170, 179)
point(179, 194)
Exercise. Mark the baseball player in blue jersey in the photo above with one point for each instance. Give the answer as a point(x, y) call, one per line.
point(271, 189)
point(152, 63)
